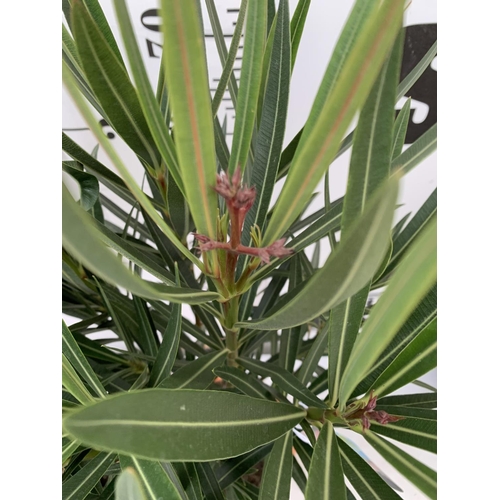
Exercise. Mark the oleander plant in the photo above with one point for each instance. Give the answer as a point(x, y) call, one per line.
point(233, 356)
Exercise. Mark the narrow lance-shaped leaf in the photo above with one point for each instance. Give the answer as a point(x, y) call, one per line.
point(220, 43)
point(277, 475)
point(227, 74)
point(187, 81)
point(169, 346)
point(326, 477)
point(421, 317)
point(369, 168)
point(283, 379)
point(146, 333)
point(117, 316)
point(403, 87)
point(424, 478)
point(77, 487)
point(181, 425)
point(231, 470)
point(81, 240)
point(423, 400)
point(69, 448)
point(111, 84)
point(147, 99)
point(185, 478)
point(248, 92)
point(417, 152)
point(290, 337)
point(89, 186)
point(297, 26)
point(208, 481)
point(128, 486)
point(400, 128)
point(242, 381)
point(416, 359)
point(347, 270)
point(411, 281)
point(155, 481)
point(73, 384)
point(106, 176)
point(197, 374)
point(75, 356)
point(127, 176)
point(318, 148)
point(413, 229)
point(272, 125)
point(95, 10)
point(368, 484)
point(312, 358)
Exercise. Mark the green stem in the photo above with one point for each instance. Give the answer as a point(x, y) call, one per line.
point(231, 309)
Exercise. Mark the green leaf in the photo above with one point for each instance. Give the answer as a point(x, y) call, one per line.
point(418, 432)
point(369, 168)
point(419, 474)
point(186, 75)
point(197, 374)
point(248, 93)
point(148, 207)
point(78, 486)
point(421, 317)
point(149, 105)
point(347, 270)
point(317, 350)
point(371, 153)
point(117, 316)
point(416, 359)
point(413, 229)
point(81, 239)
point(168, 349)
point(242, 381)
point(220, 43)
point(277, 475)
point(318, 148)
point(155, 481)
point(128, 486)
point(111, 84)
point(227, 74)
point(106, 176)
point(366, 481)
point(417, 152)
point(411, 281)
point(417, 71)
point(73, 384)
point(291, 337)
point(146, 332)
point(89, 186)
point(188, 477)
point(101, 22)
point(283, 379)
point(209, 483)
point(69, 447)
point(297, 26)
point(231, 470)
point(272, 124)
point(403, 88)
point(423, 400)
point(75, 356)
point(400, 128)
point(181, 425)
point(326, 477)
point(325, 224)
